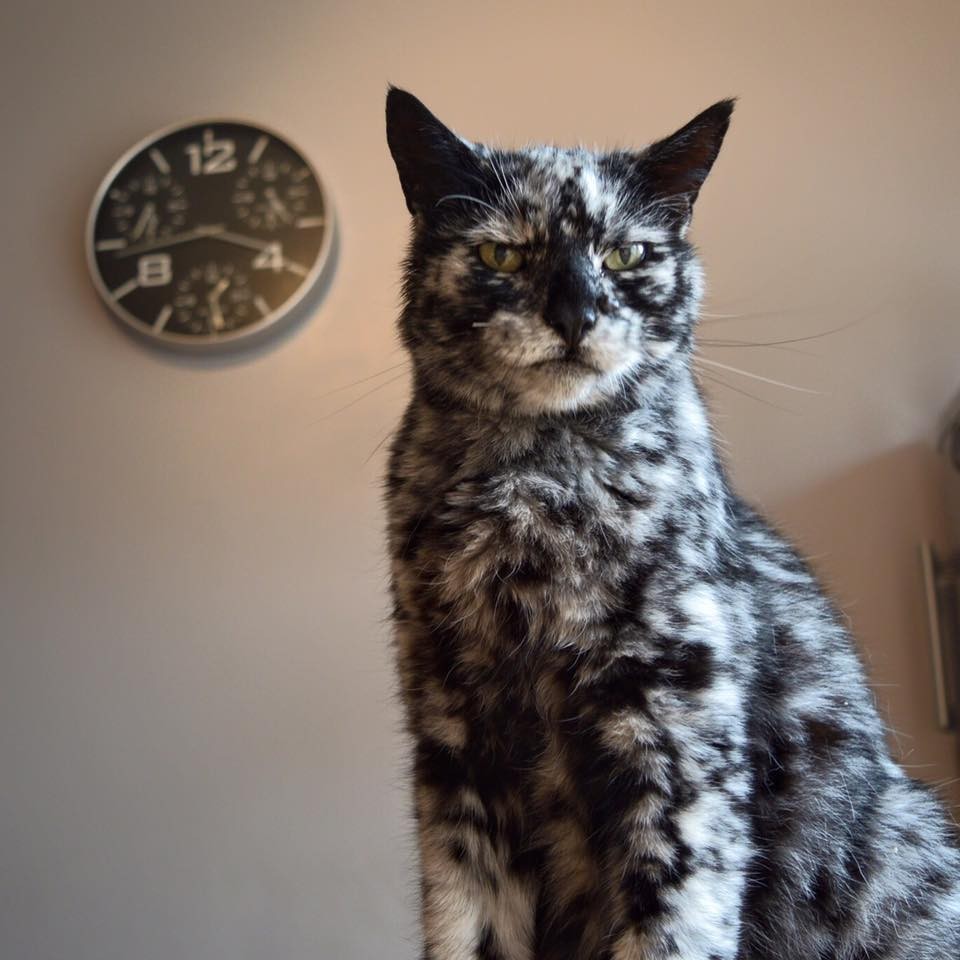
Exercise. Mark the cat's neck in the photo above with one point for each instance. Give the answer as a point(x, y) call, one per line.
point(665, 426)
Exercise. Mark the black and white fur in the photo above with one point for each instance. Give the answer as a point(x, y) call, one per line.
point(641, 730)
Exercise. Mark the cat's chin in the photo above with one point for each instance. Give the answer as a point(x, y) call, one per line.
point(562, 385)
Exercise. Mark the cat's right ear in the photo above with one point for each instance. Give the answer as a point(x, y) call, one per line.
point(433, 162)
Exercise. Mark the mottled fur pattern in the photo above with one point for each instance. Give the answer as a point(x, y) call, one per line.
point(641, 730)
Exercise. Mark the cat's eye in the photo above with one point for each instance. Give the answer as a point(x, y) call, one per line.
point(626, 257)
point(501, 257)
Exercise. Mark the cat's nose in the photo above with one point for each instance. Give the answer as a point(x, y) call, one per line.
point(572, 321)
point(571, 307)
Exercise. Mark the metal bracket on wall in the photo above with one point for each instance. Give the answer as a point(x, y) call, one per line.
point(950, 432)
point(941, 579)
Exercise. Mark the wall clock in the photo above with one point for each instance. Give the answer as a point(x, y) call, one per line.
point(208, 233)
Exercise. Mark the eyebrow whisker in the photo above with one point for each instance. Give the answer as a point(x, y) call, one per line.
point(469, 199)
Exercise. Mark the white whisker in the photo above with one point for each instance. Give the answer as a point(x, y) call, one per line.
point(756, 376)
point(469, 199)
point(745, 393)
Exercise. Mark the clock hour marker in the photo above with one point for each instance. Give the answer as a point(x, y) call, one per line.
point(297, 268)
point(160, 160)
point(118, 244)
point(125, 288)
point(257, 152)
point(162, 317)
point(261, 305)
point(301, 174)
point(303, 222)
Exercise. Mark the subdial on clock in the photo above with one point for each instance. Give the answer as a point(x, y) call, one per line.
point(273, 194)
point(214, 298)
point(148, 207)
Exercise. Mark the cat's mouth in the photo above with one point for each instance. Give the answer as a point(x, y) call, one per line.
point(572, 361)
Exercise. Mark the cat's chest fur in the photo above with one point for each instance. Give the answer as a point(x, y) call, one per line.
point(553, 547)
point(528, 546)
point(545, 534)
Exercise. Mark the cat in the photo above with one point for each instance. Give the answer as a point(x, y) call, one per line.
point(641, 731)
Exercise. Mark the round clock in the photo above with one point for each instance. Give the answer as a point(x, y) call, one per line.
point(208, 233)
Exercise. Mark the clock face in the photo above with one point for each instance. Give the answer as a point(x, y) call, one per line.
point(208, 233)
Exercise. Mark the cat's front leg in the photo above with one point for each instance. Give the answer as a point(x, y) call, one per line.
point(475, 905)
point(477, 897)
point(665, 782)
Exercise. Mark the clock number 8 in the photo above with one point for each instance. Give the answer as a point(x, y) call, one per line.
point(154, 270)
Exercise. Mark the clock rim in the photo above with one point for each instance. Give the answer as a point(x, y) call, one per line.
point(208, 342)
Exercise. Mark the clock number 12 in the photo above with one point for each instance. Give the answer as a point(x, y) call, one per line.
point(211, 155)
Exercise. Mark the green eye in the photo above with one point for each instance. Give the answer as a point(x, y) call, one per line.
point(626, 257)
point(500, 257)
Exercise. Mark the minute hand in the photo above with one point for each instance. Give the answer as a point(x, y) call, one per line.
point(230, 237)
point(211, 230)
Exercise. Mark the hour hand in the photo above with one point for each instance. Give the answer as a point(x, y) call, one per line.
point(213, 302)
point(207, 230)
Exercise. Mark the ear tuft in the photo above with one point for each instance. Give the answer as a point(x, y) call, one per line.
point(431, 159)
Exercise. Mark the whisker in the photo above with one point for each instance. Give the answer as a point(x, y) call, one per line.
point(756, 376)
point(373, 452)
point(804, 339)
point(373, 376)
point(748, 343)
point(463, 196)
point(510, 192)
point(363, 396)
point(711, 317)
point(499, 175)
point(816, 336)
point(746, 393)
point(708, 317)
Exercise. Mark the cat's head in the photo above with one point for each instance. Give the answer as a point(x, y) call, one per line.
point(545, 279)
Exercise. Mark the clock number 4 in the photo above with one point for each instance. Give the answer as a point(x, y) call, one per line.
point(154, 270)
point(269, 258)
point(211, 155)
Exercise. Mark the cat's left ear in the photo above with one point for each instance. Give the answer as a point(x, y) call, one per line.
point(433, 162)
point(674, 169)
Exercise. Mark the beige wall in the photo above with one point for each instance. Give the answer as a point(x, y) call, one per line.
point(198, 744)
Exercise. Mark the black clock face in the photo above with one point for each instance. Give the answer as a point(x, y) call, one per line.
point(208, 233)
